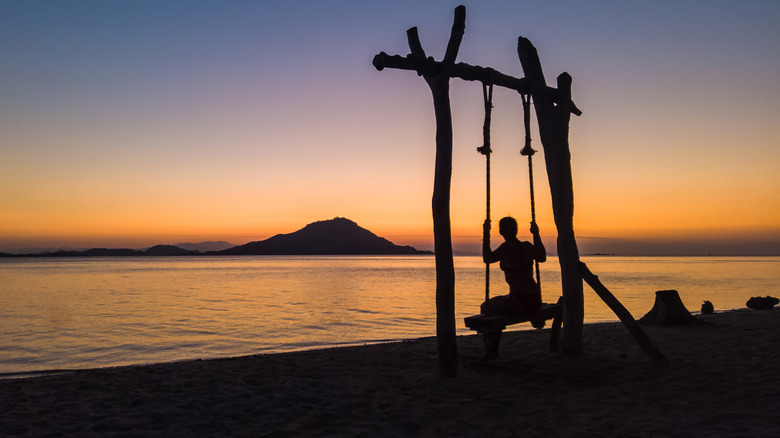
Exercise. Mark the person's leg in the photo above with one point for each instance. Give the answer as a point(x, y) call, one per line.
point(500, 304)
point(491, 340)
point(532, 303)
point(503, 304)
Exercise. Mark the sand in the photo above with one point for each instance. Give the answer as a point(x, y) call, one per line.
point(722, 380)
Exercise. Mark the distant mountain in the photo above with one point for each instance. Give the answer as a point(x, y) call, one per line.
point(168, 250)
point(110, 252)
point(158, 250)
point(205, 246)
point(24, 251)
point(339, 236)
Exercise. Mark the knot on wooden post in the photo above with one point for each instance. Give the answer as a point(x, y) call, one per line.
point(379, 61)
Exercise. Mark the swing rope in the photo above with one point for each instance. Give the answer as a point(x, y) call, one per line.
point(487, 95)
point(529, 152)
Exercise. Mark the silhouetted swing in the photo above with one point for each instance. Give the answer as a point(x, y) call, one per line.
point(554, 107)
point(498, 322)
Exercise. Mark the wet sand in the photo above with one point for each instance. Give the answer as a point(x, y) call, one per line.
point(722, 381)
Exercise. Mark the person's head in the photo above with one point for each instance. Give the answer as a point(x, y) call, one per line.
point(507, 227)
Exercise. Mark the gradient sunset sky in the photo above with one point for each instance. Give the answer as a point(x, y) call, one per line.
point(133, 123)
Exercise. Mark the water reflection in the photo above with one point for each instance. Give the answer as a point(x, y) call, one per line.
point(71, 313)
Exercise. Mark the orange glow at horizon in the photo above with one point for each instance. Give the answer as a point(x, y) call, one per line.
point(252, 129)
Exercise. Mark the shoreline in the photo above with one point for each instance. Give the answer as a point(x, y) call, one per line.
point(6, 375)
point(719, 383)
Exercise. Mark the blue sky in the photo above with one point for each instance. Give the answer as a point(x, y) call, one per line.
point(131, 123)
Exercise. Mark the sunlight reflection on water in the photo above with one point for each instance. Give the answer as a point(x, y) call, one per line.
point(84, 313)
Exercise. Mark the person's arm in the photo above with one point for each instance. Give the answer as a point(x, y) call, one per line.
point(488, 255)
point(540, 254)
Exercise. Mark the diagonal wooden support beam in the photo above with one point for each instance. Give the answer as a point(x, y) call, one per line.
point(625, 316)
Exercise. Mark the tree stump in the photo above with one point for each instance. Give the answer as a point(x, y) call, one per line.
point(668, 309)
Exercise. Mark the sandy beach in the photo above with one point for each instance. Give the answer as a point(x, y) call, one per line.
point(722, 380)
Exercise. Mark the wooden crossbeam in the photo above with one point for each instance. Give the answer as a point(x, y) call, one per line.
point(428, 66)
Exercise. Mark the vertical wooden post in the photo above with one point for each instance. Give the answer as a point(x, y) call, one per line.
point(439, 83)
point(554, 132)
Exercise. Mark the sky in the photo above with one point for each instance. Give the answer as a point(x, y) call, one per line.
point(135, 123)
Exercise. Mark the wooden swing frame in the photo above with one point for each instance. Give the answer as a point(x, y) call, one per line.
point(553, 107)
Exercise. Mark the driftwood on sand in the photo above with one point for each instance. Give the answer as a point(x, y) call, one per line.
point(762, 303)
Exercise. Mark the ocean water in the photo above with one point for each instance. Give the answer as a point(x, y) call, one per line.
point(71, 313)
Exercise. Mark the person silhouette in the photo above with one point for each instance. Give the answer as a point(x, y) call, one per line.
point(516, 259)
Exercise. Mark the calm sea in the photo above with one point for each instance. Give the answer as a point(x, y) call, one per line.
point(66, 313)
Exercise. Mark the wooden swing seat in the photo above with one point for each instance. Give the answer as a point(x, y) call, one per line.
point(499, 321)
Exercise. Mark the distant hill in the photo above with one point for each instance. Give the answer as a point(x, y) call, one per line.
point(157, 250)
point(110, 252)
point(205, 246)
point(168, 250)
point(339, 236)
